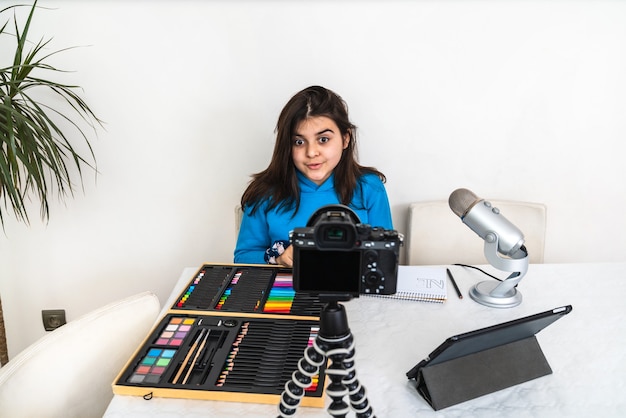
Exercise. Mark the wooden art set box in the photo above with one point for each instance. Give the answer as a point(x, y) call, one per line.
point(236, 333)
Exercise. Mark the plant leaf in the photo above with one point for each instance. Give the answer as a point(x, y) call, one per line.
point(35, 150)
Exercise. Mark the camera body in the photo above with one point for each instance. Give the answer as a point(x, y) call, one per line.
point(336, 255)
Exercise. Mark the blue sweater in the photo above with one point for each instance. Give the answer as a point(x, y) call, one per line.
point(261, 229)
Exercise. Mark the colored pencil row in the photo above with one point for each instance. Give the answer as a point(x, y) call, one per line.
point(247, 289)
point(263, 355)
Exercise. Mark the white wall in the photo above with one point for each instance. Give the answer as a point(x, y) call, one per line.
point(512, 99)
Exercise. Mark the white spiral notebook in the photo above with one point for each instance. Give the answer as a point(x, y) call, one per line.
point(420, 283)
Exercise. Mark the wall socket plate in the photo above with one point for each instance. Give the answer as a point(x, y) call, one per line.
point(53, 318)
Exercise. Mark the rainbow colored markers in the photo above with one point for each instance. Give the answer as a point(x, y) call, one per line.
point(281, 295)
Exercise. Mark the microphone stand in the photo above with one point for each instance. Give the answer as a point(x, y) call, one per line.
point(503, 294)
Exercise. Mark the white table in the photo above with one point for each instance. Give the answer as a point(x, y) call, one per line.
point(586, 350)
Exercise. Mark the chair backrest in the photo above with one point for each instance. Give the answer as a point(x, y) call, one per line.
point(69, 371)
point(238, 217)
point(435, 235)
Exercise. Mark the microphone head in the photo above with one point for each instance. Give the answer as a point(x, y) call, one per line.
point(461, 201)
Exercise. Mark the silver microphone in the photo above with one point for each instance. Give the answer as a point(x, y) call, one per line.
point(486, 221)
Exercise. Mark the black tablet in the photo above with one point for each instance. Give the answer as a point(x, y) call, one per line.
point(489, 337)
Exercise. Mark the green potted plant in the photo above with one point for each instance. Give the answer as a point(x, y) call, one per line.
point(39, 120)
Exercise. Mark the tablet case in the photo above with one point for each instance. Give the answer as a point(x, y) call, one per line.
point(456, 380)
point(464, 378)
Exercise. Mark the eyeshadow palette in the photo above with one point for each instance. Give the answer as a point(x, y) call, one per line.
point(247, 289)
point(152, 366)
point(210, 356)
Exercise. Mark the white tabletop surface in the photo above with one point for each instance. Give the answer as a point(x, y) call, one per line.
point(586, 350)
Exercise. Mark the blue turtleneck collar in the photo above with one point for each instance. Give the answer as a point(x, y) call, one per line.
point(306, 185)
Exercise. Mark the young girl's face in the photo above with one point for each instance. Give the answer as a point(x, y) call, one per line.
point(317, 148)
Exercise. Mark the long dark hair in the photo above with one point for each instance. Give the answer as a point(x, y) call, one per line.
point(278, 182)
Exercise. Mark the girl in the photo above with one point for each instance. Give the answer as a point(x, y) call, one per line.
point(314, 164)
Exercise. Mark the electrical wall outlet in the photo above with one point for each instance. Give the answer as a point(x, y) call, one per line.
point(53, 318)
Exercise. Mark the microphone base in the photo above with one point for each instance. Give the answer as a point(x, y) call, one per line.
point(481, 293)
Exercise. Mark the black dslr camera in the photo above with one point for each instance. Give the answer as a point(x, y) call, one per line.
point(336, 255)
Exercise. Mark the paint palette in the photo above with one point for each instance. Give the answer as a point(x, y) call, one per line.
point(242, 358)
point(152, 366)
point(246, 288)
point(175, 332)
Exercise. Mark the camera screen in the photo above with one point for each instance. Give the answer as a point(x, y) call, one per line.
point(329, 271)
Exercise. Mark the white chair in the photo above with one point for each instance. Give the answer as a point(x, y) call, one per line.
point(69, 372)
point(435, 235)
point(238, 217)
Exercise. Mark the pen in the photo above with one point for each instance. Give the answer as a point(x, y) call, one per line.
point(458, 292)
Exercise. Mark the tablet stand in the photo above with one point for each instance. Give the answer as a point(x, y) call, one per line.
point(335, 342)
point(467, 377)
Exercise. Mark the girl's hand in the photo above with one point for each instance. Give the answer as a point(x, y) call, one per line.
point(286, 258)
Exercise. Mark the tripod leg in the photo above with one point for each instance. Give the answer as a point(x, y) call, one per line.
point(308, 366)
point(336, 373)
point(342, 373)
point(358, 397)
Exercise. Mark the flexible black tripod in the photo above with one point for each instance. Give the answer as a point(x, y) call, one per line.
point(335, 342)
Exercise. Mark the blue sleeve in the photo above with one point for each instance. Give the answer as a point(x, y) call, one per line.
point(376, 202)
point(253, 238)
